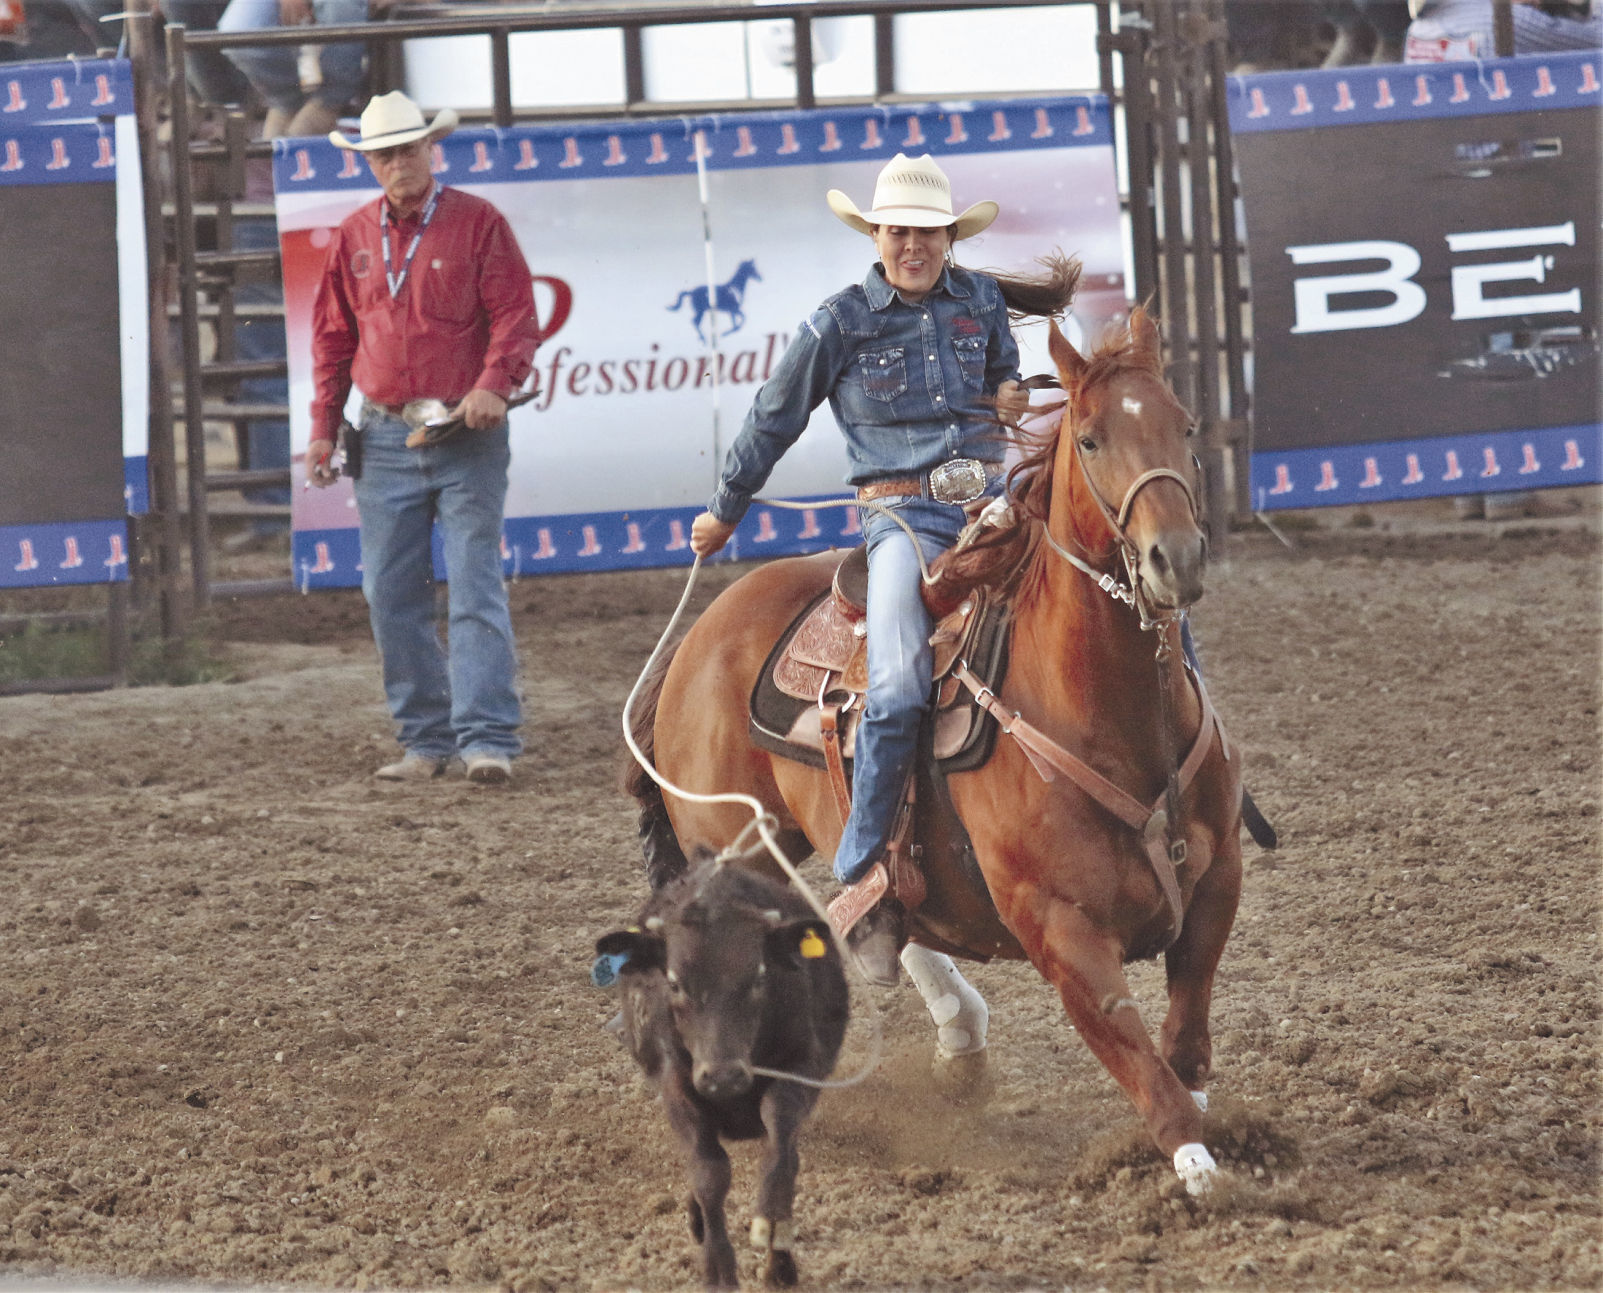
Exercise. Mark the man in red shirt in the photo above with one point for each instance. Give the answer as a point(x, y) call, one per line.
point(425, 296)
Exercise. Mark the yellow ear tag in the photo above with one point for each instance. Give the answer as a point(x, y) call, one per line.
point(812, 947)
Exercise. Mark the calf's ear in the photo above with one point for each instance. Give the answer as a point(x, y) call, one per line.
point(633, 950)
point(798, 941)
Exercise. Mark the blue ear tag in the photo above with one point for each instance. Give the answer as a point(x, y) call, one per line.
point(604, 971)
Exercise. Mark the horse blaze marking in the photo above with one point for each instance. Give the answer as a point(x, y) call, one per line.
point(676, 537)
point(1529, 464)
point(1415, 475)
point(1454, 471)
point(765, 528)
point(544, 548)
point(324, 562)
point(1327, 477)
point(1572, 456)
point(1282, 483)
point(1490, 458)
point(635, 543)
point(809, 528)
point(1132, 406)
point(74, 558)
point(1371, 474)
point(29, 561)
point(591, 547)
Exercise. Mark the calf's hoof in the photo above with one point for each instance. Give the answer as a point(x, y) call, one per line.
point(963, 1079)
point(779, 1271)
point(773, 1240)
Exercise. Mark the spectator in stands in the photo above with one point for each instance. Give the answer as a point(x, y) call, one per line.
point(1367, 31)
point(425, 297)
point(275, 69)
point(214, 79)
point(1452, 31)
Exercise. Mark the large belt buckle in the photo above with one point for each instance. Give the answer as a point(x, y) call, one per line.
point(961, 480)
point(419, 413)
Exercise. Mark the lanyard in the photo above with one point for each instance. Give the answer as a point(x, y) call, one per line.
point(396, 280)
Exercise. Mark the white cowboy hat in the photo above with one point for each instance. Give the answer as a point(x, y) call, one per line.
point(914, 192)
point(392, 119)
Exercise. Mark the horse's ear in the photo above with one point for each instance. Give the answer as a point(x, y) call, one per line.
point(1070, 364)
point(1144, 335)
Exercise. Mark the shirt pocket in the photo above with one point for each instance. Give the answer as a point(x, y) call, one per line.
point(447, 292)
point(970, 352)
point(883, 373)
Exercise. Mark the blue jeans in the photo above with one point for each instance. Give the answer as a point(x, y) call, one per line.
point(900, 663)
point(275, 69)
point(464, 701)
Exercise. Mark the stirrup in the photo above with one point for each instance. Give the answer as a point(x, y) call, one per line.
point(855, 901)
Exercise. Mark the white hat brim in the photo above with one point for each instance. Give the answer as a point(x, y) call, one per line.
point(972, 221)
point(443, 124)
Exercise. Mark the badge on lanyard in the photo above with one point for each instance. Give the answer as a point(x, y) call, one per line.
point(396, 281)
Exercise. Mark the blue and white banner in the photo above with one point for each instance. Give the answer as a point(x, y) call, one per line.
point(75, 315)
point(1423, 241)
point(647, 369)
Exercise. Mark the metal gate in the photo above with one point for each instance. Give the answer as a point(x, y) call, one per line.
point(1161, 63)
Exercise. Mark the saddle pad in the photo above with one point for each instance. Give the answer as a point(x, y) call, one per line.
point(784, 703)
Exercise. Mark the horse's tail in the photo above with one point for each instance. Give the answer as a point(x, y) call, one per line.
point(681, 300)
point(665, 858)
point(1042, 295)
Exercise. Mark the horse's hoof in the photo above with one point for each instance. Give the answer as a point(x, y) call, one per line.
point(963, 1079)
point(1196, 1168)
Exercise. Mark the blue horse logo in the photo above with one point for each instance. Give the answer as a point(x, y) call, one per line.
point(727, 299)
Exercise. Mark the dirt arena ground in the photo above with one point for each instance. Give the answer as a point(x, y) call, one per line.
point(265, 1021)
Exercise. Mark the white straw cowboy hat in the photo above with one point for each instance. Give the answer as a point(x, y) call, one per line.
point(392, 119)
point(913, 192)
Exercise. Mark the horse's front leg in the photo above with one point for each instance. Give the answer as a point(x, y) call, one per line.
point(1190, 964)
point(1085, 963)
point(961, 1019)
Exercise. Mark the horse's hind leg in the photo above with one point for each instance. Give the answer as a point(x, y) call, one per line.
point(1190, 965)
point(1085, 964)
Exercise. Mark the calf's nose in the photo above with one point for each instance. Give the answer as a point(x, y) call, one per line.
point(721, 1079)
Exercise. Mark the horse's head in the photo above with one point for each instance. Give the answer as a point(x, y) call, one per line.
point(1123, 446)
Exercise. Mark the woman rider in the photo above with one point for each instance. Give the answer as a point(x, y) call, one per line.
point(915, 362)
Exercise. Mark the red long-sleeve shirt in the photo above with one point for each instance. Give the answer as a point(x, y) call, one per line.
point(464, 319)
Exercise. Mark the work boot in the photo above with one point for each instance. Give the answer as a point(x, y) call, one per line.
point(876, 940)
point(413, 766)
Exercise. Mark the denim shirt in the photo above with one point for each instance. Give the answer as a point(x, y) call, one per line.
point(909, 385)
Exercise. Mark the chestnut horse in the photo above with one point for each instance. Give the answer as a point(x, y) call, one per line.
point(1096, 690)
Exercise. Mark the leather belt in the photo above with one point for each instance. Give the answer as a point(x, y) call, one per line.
point(961, 480)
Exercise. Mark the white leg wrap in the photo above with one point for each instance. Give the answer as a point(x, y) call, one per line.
point(959, 1012)
point(1196, 1167)
point(1201, 1098)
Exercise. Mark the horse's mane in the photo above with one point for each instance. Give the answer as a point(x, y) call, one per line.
point(1004, 559)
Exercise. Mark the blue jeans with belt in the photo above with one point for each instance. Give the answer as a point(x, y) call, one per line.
point(900, 664)
point(463, 700)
